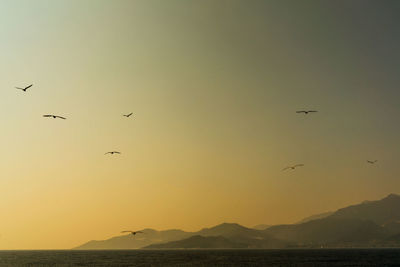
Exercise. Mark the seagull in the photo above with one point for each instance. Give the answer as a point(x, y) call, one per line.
point(372, 161)
point(306, 111)
point(54, 117)
point(293, 167)
point(132, 232)
point(127, 115)
point(25, 88)
point(112, 152)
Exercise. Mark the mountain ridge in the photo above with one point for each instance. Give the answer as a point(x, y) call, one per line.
point(371, 223)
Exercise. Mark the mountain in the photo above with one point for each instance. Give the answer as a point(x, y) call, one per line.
point(129, 241)
point(380, 211)
point(261, 226)
point(368, 224)
point(392, 227)
point(315, 217)
point(229, 230)
point(243, 235)
point(226, 235)
point(199, 241)
point(359, 225)
point(327, 231)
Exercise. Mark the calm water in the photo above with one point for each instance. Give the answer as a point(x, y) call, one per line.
point(322, 257)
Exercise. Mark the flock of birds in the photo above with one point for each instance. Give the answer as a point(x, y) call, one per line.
point(63, 118)
point(305, 112)
point(301, 165)
point(110, 152)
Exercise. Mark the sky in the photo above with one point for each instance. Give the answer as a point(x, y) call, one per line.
point(213, 87)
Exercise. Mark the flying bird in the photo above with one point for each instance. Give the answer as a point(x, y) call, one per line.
point(133, 232)
point(127, 115)
point(112, 152)
point(54, 117)
point(293, 167)
point(24, 88)
point(372, 161)
point(306, 111)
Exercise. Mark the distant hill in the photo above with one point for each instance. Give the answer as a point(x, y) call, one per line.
point(363, 224)
point(229, 230)
point(327, 231)
point(369, 224)
point(380, 211)
point(129, 241)
point(243, 235)
point(392, 227)
point(261, 226)
point(315, 217)
point(225, 235)
point(237, 235)
point(199, 241)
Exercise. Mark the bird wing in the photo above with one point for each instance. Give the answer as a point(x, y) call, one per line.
point(139, 232)
point(312, 111)
point(29, 86)
point(107, 153)
point(300, 111)
point(47, 116)
point(130, 114)
point(298, 165)
point(61, 117)
point(284, 169)
point(126, 231)
point(117, 152)
point(20, 88)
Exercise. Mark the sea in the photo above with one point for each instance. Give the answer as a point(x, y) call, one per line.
point(192, 257)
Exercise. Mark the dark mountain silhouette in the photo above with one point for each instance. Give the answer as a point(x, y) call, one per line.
point(229, 230)
point(261, 226)
point(380, 211)
point(392, 227)
point(129, 241)
point(225, 235)
point(315, 217)
point(243, 235)
point(199, 241)
point(363, 224)
point(235, 233)
point(327, 231)
point(369, 224)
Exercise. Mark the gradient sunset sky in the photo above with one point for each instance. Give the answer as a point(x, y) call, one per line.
point(214, 86)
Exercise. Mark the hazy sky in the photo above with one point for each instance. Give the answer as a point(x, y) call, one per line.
point(214, 86)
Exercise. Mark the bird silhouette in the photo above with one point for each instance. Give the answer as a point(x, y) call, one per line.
point(112, 152)
point(24, 88)
point(293, 167)
point(127, 115)
point(54, 117)
point(306, 111)
point(133, 232)
point(372, 161)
